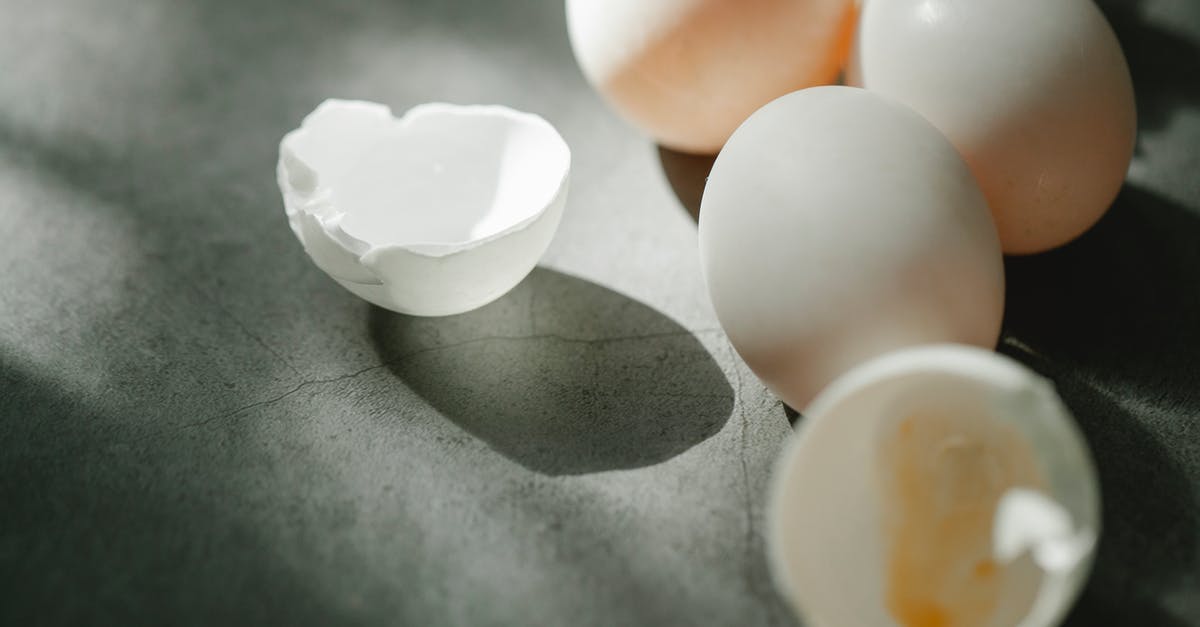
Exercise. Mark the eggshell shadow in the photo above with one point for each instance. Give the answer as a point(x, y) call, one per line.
point(562, 376)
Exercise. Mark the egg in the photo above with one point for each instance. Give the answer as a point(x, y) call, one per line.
point(934, 486)
point(1036, 96)
point(438, 212)
point(688, 72)
point(838, 225)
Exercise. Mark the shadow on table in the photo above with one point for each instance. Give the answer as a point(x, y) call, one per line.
point(562, 375)
point(101, 526)
point(1148, 539)
point(687, 174)
point(1165, 65)
point(1113, 319)
point(1121, 301)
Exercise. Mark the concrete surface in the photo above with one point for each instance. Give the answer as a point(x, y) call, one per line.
point(198, 427)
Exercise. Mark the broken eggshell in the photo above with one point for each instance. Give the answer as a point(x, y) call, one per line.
point(435, 213)
point(938, 485)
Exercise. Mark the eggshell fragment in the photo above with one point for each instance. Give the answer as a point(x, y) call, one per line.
point(940, 485)
point(1036, 96)
point(435, 213)
point(837, 225)
point(689, 71)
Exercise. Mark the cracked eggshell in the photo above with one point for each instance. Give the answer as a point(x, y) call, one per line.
point(836, 226)
point(1036, 96)
point(687, 72)
point(940, 485)
point(435, 213)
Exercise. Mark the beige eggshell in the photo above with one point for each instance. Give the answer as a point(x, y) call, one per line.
point(1036, 95)
point(1012, 482)
point(434, 213)
point(689, 71)
point(837, 225)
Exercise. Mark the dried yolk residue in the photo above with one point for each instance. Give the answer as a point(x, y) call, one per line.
point(942, 477)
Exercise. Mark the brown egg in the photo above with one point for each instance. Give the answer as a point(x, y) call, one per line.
point(688, 72)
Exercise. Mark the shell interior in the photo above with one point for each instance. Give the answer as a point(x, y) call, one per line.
point(936, 486)
point(440, 179)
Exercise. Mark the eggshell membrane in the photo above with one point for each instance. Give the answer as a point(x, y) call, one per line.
point(829, 546)
point(689, 71)
point(439, 212)
point(836, 226)
point(1036, 96)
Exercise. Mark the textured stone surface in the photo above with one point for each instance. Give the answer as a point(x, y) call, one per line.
point(197, 426)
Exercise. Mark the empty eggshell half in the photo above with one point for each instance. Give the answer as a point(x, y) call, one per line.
point(939, 485)
point(438, 212)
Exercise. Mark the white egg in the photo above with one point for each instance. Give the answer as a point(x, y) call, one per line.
point(837, 225)
point(436, 213)
point(940, 485)
point(1035, 94)
point(689, 71)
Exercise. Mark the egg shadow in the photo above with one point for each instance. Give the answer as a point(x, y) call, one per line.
point(1147, 548)
point(562, 376)
point(1114, 320)
point(1165, 64)
point(1121, 302)
point(686, 173)
point(1148, 540)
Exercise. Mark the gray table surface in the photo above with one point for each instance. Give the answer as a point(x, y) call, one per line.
point(198, 427)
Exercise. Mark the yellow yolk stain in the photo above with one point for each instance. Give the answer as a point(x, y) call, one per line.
point(941, 478)
point(985, 568)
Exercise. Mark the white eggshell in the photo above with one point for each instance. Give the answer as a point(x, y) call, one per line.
point(435, 213)
point(1035, 94)
point(988, 518)
point(689, 71)
point(837, 225)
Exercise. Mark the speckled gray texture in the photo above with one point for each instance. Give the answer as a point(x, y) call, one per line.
point(198, 427)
